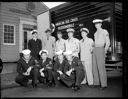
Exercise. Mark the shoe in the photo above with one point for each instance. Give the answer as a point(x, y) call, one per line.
point(34, 85)
point(102, 88)
point(76, 88)
point(91, 86)
point(73, 86)
point(49, 84)
point(96, 86)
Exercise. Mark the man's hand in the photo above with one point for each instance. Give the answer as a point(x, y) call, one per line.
point(69, 72)
point(60, 72)
point(29, 69)
point(26, 74)
point(41, 69)
point(42, 74)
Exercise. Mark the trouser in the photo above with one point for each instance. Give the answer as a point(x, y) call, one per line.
point(88, 72)
point(99, 71)
point(76, 78)
point(23, 79)
point(55, 77)
point(47, 75)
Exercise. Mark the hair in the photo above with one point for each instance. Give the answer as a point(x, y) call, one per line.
point(43, 52)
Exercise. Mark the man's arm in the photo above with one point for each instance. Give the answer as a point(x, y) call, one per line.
point(107, 41)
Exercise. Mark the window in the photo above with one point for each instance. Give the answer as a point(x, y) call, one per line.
point(9, 34)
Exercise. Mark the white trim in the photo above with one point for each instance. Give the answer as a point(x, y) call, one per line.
point(14, 34)
point(24, 21)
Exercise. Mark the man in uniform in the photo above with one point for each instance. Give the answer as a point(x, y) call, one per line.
point(86, 47)
point(102, 43)
point(48, 43)
point(73, 70)
point(58, 69)
point(27, 69)
point(35, 45)
point(46, 67)
point(72, 43)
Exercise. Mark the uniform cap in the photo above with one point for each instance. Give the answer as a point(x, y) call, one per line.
point(26, 51)
point(59, 52)
point(70, 30)
point(33, 32)
point(43, 51)
point(97, 21)
point(68, 53)
point(84, 29)
point(48, 30)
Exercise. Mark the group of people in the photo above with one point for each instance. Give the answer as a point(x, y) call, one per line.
point(51, 62)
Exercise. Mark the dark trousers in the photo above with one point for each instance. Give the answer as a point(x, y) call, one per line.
point(76, 78)
point(55, 76)
point(48, 75)
point(23, 80)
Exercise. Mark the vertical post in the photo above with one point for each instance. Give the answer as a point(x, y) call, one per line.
point(113, 32)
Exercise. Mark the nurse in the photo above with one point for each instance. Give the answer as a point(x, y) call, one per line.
point(60, 43)
point(86, 47)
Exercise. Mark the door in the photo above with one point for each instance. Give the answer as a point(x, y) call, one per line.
point(26, 37)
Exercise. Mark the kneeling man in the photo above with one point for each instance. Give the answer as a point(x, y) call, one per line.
point(74, 72)
point(46, 67)
point(58, 69)
point(28, 69)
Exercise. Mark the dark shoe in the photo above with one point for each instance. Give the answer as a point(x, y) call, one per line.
point(34, 85)
point(49, 84)
point(102, 88)
point(24, 85)
point(96, 86)
point(76, 88)
point(73, 86)
point(91, 86)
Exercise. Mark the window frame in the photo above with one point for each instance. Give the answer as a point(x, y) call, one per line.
point(4, 34)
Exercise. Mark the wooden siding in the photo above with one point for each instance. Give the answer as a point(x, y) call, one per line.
point(10, 53)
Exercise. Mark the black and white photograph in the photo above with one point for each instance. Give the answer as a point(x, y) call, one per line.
point(61, 49)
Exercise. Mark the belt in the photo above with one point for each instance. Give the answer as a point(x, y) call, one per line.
point(99, 45)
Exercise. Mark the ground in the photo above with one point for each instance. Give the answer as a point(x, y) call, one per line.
point(114, 90)
point(10, 89)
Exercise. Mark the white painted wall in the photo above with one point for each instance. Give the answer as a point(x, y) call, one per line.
point(43, 23)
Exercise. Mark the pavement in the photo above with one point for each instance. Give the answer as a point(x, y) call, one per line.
point(9, 73)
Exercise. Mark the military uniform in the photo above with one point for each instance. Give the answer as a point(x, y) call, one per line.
point(76, 76)
point(60, 45)
point(47, 72)
point(49, 45)
point(35, 46)
point(102, 43)
point(73, 45)
point(22, 67)
point(86, 58)
point(58, 66)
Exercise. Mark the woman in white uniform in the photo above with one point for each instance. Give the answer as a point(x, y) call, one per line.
point(60, 43)
point(86, 47)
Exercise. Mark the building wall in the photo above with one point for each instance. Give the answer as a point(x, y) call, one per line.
point(10, 53)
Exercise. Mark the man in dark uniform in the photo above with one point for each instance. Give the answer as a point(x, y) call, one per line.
point(46, 67)
point(27, 69)
point(58, 69)
point(74, 72)
point(35, 45)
